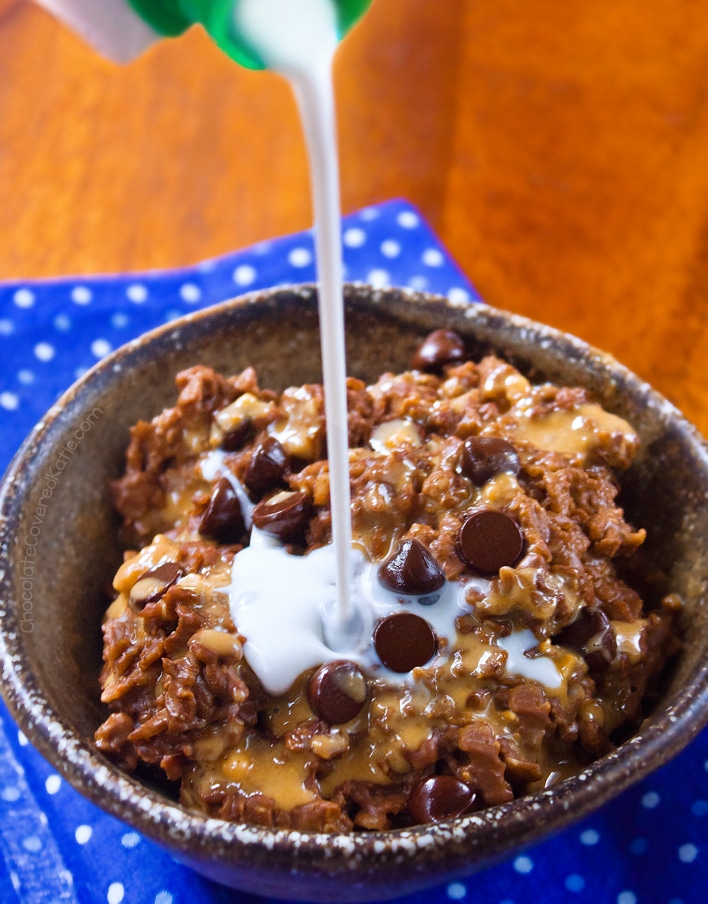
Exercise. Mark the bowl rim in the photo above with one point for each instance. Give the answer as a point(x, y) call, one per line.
point(506, 826)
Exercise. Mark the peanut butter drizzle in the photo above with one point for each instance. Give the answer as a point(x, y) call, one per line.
point(378, 745)
point(575, 432)
point(630, 638)
point(259, 767)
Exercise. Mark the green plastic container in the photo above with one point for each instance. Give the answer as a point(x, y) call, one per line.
point(172, 17)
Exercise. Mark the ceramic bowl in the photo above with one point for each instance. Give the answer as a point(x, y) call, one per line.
point(50, 639)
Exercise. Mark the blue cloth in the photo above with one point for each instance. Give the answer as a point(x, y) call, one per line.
point(650, 845)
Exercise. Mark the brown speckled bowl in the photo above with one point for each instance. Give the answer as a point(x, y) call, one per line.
point(50, 639)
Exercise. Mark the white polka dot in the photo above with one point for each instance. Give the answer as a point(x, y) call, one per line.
point(62, 322)
point(116, 893)
point(523, 865)
point(83, 834)
point(32, 844)
point(262, 247)
point(650, 800)
point(574, 882)
point(23, 298)
point(456, 891)
point(390, 248)
point(22, 739)
point(79, 372)
point(626, 897)
point(53, 784)
point(419, 283)
point(119, 320)
point(407, 219)
point(100, 348)
point(687, 853)
point(66, 876)
point(244, 275)
point(44, 351)
point(300, 257)
point(130, 840)
point(15, 879)
point(136, 293)
point(379, 279)
point(44, 819)
point(354, 237)
point(369, 213)
point(81, 295)
point(9, 401)
point(190, 293)
point(163, 897)
point(26, 377)
point(458, 295)
point(6, 327)
point(10, 794)
point(433, 258)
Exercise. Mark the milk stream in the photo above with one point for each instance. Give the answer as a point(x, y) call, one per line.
point(298, 38)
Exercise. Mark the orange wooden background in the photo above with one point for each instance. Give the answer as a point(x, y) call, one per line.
point(560, 150)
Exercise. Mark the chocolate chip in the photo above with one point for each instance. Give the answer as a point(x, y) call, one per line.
point(223, 520)
point(266, 468)
point(412, 570)
point(337, 691)
point(439, 348)
point(152, 584)
point(483, 457)
point(285, 516)
point(439, 797)
point(404, 641)
point(488, 540)
point(592, 636)
point(234, 439)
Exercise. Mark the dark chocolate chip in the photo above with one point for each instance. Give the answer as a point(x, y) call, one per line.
point(234, 439)
point(483, 457)
point(412, 570)
point(285, 516)
point(488, 540)
point(152, 584)
point(592, 636)
point(337, 691)
point(266, 468)
point(223, 520)
point(404, 641)
point(439, 797)
point(439, 348)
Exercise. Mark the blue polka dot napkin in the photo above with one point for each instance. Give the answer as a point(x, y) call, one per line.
point(650, 846)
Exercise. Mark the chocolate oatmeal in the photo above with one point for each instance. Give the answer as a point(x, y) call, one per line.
point(493, 648)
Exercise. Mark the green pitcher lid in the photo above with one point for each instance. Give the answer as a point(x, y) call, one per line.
point(171, 17)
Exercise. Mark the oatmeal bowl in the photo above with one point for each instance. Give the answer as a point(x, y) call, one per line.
point(525, 630)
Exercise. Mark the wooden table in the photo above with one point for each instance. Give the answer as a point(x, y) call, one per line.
point(560, 150)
